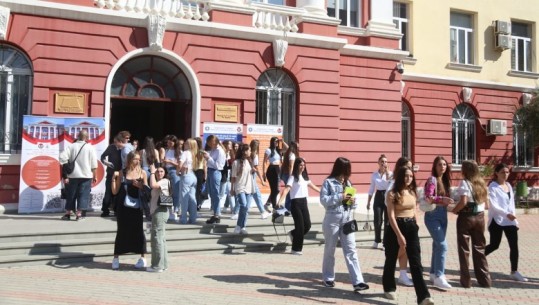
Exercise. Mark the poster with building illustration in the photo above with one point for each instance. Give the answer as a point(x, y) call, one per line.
point(44, 138)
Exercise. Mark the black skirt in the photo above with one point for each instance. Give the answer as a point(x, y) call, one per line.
point(130, 237)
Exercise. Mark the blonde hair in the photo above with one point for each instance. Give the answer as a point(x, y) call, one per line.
point(470, 171)
point(193, 149)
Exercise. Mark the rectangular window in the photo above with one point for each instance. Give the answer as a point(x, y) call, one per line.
point(348, 11)
point(461, 38)
point(463, 141)
point(17, 87)
point(521, 50)
point(400, 19)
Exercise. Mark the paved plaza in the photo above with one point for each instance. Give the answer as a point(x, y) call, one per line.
point(262, 278)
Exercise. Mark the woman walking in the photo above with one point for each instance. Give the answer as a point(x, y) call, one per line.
point(296, 186)
point(242, 185)
point(502, 218)
point(289, 157)
point(471, 225)
point(159, 185)
point(188, 182)
point(257, 196)
point(215, 159)
point(338, 208)
point(272, 156)
point(169, 159)
point(130, 234)
point(437, 192)
point(403, 234)
point(379, 183)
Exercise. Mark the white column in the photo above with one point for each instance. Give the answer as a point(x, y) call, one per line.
point(315, 7)
point(381, 21)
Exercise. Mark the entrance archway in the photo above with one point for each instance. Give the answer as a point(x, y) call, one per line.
point(151, 96)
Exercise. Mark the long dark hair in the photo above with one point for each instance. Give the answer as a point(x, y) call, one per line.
point(446, 177)
point(241, 157)
point(498, 168)
point(149, 148)
point(341, 167)
point(295, 170)
point(274, 147)
point(292, 148)
point(400, 184)
point(402, 161)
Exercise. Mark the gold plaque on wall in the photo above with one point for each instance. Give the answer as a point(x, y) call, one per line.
point(226, 113)
point(69, 102)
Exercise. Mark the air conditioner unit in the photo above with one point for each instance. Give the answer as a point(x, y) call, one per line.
point(502, 27)
point(497, 128)
point(503, 42)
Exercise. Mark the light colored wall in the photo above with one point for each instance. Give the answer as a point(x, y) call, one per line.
point(430, 38)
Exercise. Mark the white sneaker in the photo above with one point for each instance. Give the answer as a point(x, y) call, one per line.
point(427, 301)
point(296, 252)
point(234, 217)
point(390, 295)
point(374, 245)
point(405, 280)
point(243, 231)
point(264, 215)
point(115, 263)
point(440, 282)
point(518, 277)
point(237, 230)
point(432, 277)
point(152, 269)
point(141, 263)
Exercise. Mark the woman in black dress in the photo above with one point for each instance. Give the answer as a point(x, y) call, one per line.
point(130, 236)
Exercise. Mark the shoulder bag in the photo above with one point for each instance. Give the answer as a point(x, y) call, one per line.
point(164, 200)
point(69, 167)
point(471, 206)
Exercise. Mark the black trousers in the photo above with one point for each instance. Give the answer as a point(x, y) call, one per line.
point(199, 173)
point(380, 215)
point(272, 174)
point(107, 197)
point(302, 222)
point(413, 249)
point(511, 232)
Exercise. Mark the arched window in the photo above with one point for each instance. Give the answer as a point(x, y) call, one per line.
point(406, 132)
point(15, 97)
point(522, 144)
point(276, 101)
point(463, 134)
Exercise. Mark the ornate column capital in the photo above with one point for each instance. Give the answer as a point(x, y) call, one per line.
point(280, 46)
point(156, 31)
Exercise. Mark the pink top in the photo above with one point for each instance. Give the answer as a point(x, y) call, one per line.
point(430, 190)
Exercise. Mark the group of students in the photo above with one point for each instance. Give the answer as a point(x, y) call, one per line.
point(394, 207)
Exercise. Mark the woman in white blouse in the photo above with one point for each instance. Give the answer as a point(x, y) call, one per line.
point(379, 182)
point(188, 183)
point(502, 218)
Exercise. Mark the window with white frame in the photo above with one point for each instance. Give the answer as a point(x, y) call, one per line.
point(463, 134)
point(400, 19)
point(461, 38)
point(276, 101)
point(522, 144)
point(15, 98)
point(521, 50)
point(406, 132)
point(348, 11)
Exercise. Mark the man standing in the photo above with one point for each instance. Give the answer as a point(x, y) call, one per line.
point(112, 159)
point(79, 182)
point(126, 135)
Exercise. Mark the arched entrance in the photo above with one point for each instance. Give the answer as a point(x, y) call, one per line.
point(151, 96)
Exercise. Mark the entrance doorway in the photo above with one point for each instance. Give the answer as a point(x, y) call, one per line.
point(150, 96)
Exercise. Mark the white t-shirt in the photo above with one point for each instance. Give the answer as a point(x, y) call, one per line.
point(163, 183)
point(187, 158)
point(244, 180)
point(464, 190)
point(298, 189)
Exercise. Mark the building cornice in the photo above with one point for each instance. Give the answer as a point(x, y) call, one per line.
point(437, 79)
point(374, 52)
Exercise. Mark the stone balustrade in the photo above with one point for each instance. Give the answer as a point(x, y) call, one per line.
point(184, 9)
point(279, 18)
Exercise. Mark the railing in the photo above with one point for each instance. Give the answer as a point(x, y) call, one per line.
point(278, 18)
point(184, 9)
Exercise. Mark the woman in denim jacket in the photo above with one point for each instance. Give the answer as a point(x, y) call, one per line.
point(339, 209)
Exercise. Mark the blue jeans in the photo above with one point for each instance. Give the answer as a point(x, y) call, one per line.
point(243, 200)
point(175, 183)
point(257, 196)
point(78, 194)
point(213, 184)
point(436, 223)
point(188, 201)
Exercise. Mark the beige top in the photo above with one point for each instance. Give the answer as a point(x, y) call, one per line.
point(163, 183)
point(407, 208)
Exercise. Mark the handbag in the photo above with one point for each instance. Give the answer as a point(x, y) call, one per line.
point(131, 202)
point(69, 167)
point(471, 206)
point(165, 200)
point(351, 225)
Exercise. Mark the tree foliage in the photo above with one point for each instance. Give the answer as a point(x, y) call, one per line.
point(529, 115)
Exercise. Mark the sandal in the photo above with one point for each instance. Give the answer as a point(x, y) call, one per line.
point(66, 217)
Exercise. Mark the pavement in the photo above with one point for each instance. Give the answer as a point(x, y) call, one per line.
point(252, 277)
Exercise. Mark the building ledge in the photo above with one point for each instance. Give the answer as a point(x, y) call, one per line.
point(409, 61)
point(525, 169)
point(523, 74)
point(10, 159)
point(464, 67)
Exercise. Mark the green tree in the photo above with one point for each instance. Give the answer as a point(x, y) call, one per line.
point(529, 115)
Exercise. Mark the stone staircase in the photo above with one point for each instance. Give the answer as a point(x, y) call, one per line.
point(44, 239)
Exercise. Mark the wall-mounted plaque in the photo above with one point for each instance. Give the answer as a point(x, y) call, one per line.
point(226, 113)
point(69, 102)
